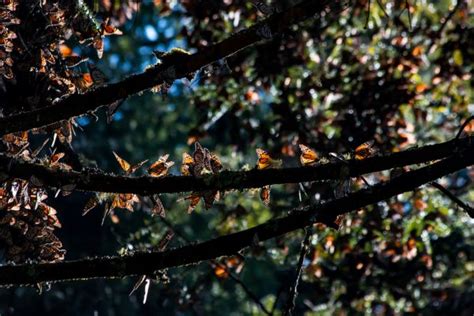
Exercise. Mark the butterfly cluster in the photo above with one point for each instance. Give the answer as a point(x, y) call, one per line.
point(200, 164)
point(158, 169)
point(264, 162)
point(27, 222)
point(7, 35)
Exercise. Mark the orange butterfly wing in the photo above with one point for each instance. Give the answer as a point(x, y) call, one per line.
point(188, 162)
point(122, 162)
point(264, 159)
point(364, 150)
point(308, 156)
point(265, 195)
point(160, 167)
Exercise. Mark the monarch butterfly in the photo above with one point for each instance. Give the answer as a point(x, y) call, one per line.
point(265, 195)
point(160, 167)
point(109, 29)
point(216, 164)
point(265, 161)
point(209, 197)
point(194, 201)
point(158, 208)
point(202, 160)
point(364, 150)
point(308, 156)
point(129, 169)
point(186, 165)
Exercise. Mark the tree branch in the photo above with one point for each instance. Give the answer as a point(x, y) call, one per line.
point(147, 263)
point(79, 104)
point(468, 209)
point(92, 180)
point(293, 292)
point(232, 276)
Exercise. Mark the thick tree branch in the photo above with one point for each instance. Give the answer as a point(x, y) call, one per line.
point(147, 263)
point(226, 180)
point(79, 104)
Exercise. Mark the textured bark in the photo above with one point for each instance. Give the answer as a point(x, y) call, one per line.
point(91, 180)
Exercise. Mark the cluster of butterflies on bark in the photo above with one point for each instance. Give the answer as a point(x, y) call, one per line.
point(200, 164)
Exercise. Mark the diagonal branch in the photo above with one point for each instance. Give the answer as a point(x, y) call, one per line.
point(232, 276)
point(293, 292)
point(92, 180)
point(147, 263)
point(467, 208)
point(79, 104)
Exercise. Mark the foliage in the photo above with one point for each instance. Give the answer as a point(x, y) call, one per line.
point(395, 74)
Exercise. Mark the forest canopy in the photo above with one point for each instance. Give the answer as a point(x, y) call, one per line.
point(236, 157)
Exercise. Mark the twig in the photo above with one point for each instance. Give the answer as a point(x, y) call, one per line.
point(463, 126)
point(443, 25)
point(277, 298)
point(407, 6)
point(469, 210)
point(368, 15)
point(383, 9)
point(96, 181)
point(293, 292)
point(449, 17)
point(228, 245)
point(233, 277)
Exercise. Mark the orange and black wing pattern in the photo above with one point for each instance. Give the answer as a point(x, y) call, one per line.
point(308, 156)
point(364, 150)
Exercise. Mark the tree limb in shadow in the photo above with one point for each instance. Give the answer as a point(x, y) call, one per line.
point(293, 292)
point(79, 104)
point(97, 181)
point(227, 245)
point(468, 209)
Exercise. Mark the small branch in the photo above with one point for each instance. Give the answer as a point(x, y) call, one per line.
point(439, 33)
point(449, 17)
point(249, 293)
point(469, 210)
point(213, 263)
point(79, 104)
point(293, 292)
point(228, 245)
point(92, 180)
point(463, 126)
